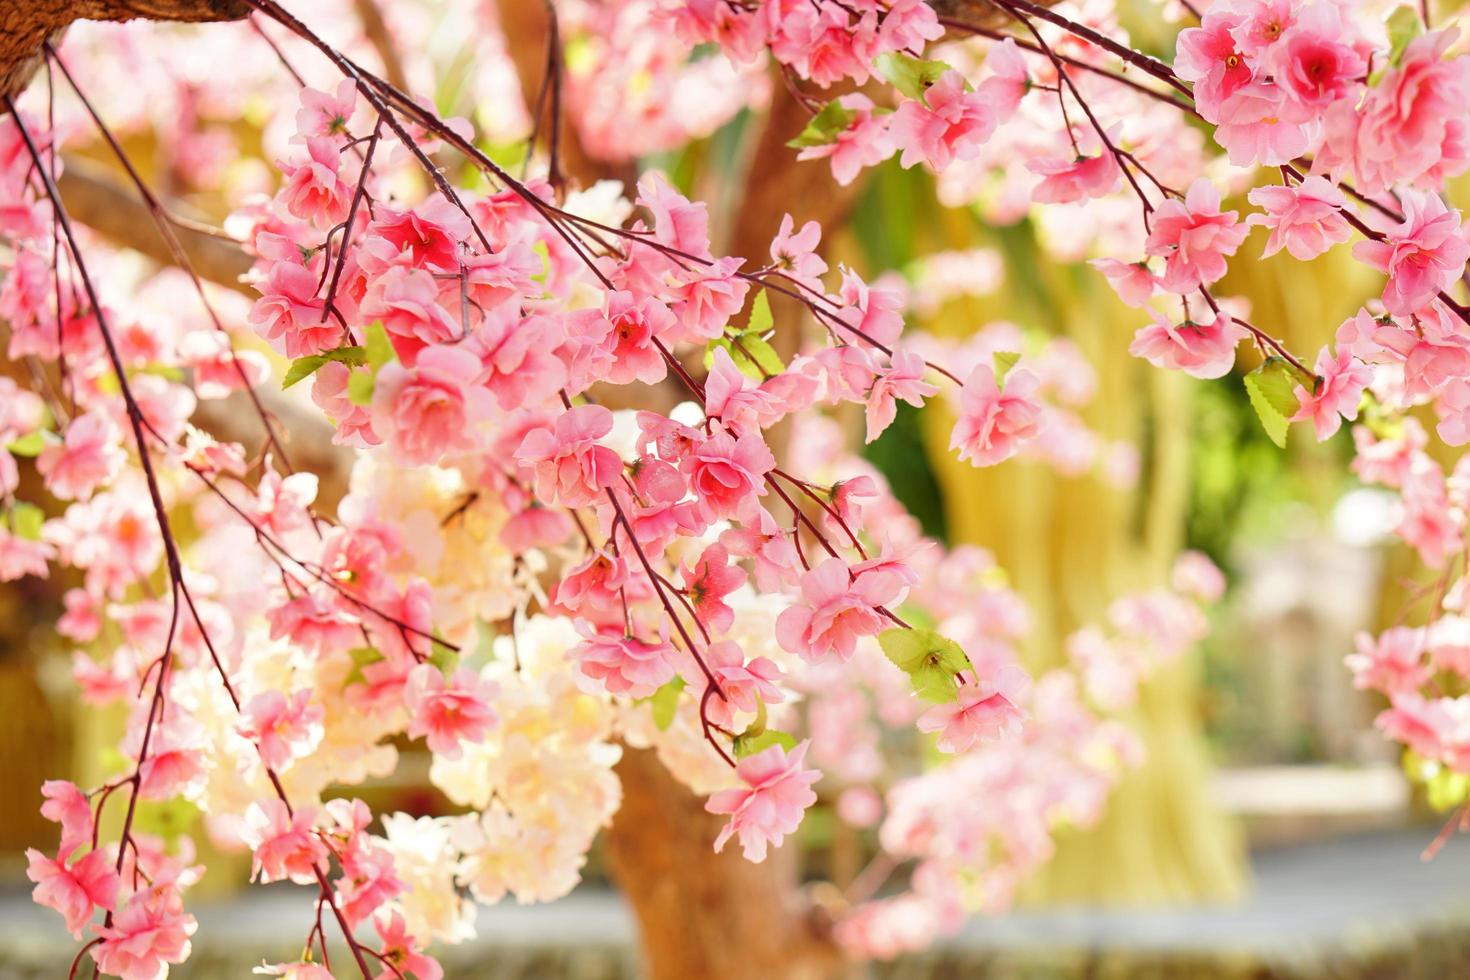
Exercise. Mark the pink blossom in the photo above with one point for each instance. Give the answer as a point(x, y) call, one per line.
point(326, 116)
point(708, 583)
point(283, 729)
point(1134, 282)
point(1338, 392)
point(1393, 663)
point(634, 328)
point(865, 142)
point(981, 712)
point(948, 124)
point(571, 468)
point(313, 622)
point(794, 253)
point(1312, 62)
point(429, 410)
point(1422, 256)
point(428, 236)
point(726, 474)
point(745, 684)
point(400, 950)
point(707, 298)
point(288, 314)
point(902, 379)
point(1068, 180)
point(732, 398)
point(77, 891)
point(283, 845)
point(90, 455)
point(1256, 125)
point(314, 190)
point(994, 424)
point(676, 222)
point(406, 300)
point(366, 883)
point(1201, 350)
point(1008, 81)
point(1193, 237)
point(151, 931)
point(622, 665)
point(834, 610)
point(1195, 575)
point(518, 358)
point(448, 712)
point(68, 806)
point(1209, 57)
point(776, 794)
point(1306, 219)
point(770, 549)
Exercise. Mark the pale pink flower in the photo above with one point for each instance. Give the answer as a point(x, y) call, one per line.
point(708, 583)
point(406, 300)
point(620, 664)
point(448, 712)
point(1306, 219)
point(794, 252)
point(769, 547)
point(776, 794)
point(1257, 124)
point(283, 729)
point(864, 143)
point(323, 115)
point(1193, 237)
point(1201, 350)
point(1422, 256)
point(745, 684)
point(430, 410)
point(77, 891)
point(1195, 575)
point(834, 610)
point(1078, 178)
point(151, 931)
point(994, 424)
point(89, 455)
point(400, 950)
point(1008, 81)
point(1134, 282)
point(289, 315)
point(948, 124)
point(677, 223)
point(1392, 663)
point(902, 379)
point(315, 190)
point(726, 474)
point(283, 845)
point(980, 712)
point(571, 468)
point(1338, 392)
point(68, 806)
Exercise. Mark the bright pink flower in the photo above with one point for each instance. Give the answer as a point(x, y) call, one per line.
point(981, 712)
point(834, 610)
point(90, 455)
point(289, 315)
point(864, 143)
point(1422, 256)
point(1201, 350)
point(993, 424)
point(727, 474)
point(1193, 237)
point(769, 546)
point(283, 729)
point(1306, 219)
point(745, 684)
point(323, 115)
point(68, 806)
point(707, 298)
point(406, 300)
point(448, 712)
point(595, 589)
point(284, 846)
point(1068, 180)
point(902, 379)
point(948, 124)
point(634, 326)
point(518, 358)
point(1393, 663)
point(1209, 57)
point(1134, 282)
point(400, 951)
point(315, 190)
point(367, 882)
point(571, 468)
point(1312, 62)
point(776, 794)
point(151, 931)
point(77, 891)
point(1336, 398)
point(733, 398)
point(430, 410)
point(708, 582)
point(676, 222)
point(622, 665)
point(428, 235)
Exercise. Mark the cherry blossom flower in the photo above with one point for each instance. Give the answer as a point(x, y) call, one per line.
point(430, 410)
point(150, 931)
point(836, 608)
point(283, 845)
point(77, 891)
point(1306, 219)
point(1201, 350)
point(776, 794)
point(981, 711)
point(622, 664)
point(1422, 256)
point(283, 728)
point(449, 711)
point(1338, 392)
point(1194, 237)
point(993, 424)
point(948, 124)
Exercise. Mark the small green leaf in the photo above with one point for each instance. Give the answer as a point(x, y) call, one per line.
point(824, 126)
point(747, 744)
point(26, 520)
point(754, 348)
point(1003, 361)
point(760, 314)
point(665, 702)
point(379, 349)
point(30, 444)
point(302, 367)
point(360, 385)
point(911, 76)
point(362, 657)
point(1272, 392)
point(443, 657)
point(930, 660)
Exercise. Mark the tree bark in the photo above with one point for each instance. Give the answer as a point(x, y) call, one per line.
point(25, 25)
point(702, 914)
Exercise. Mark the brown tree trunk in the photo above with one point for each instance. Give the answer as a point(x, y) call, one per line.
point(705, 915)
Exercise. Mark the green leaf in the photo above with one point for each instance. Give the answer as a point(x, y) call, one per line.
point(665, 702)
point(379, 349)
point(930, 660)
point(824, 126)
point(747, 744)
point(28, 445)
point(26, 520)
point(302, 367)
point(361, 657)
point(360, 385)
point(1272, 391)
point(760, 314)
point(754, 348)
point(911, 76)
point(1003, 361)
point(443, 657)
